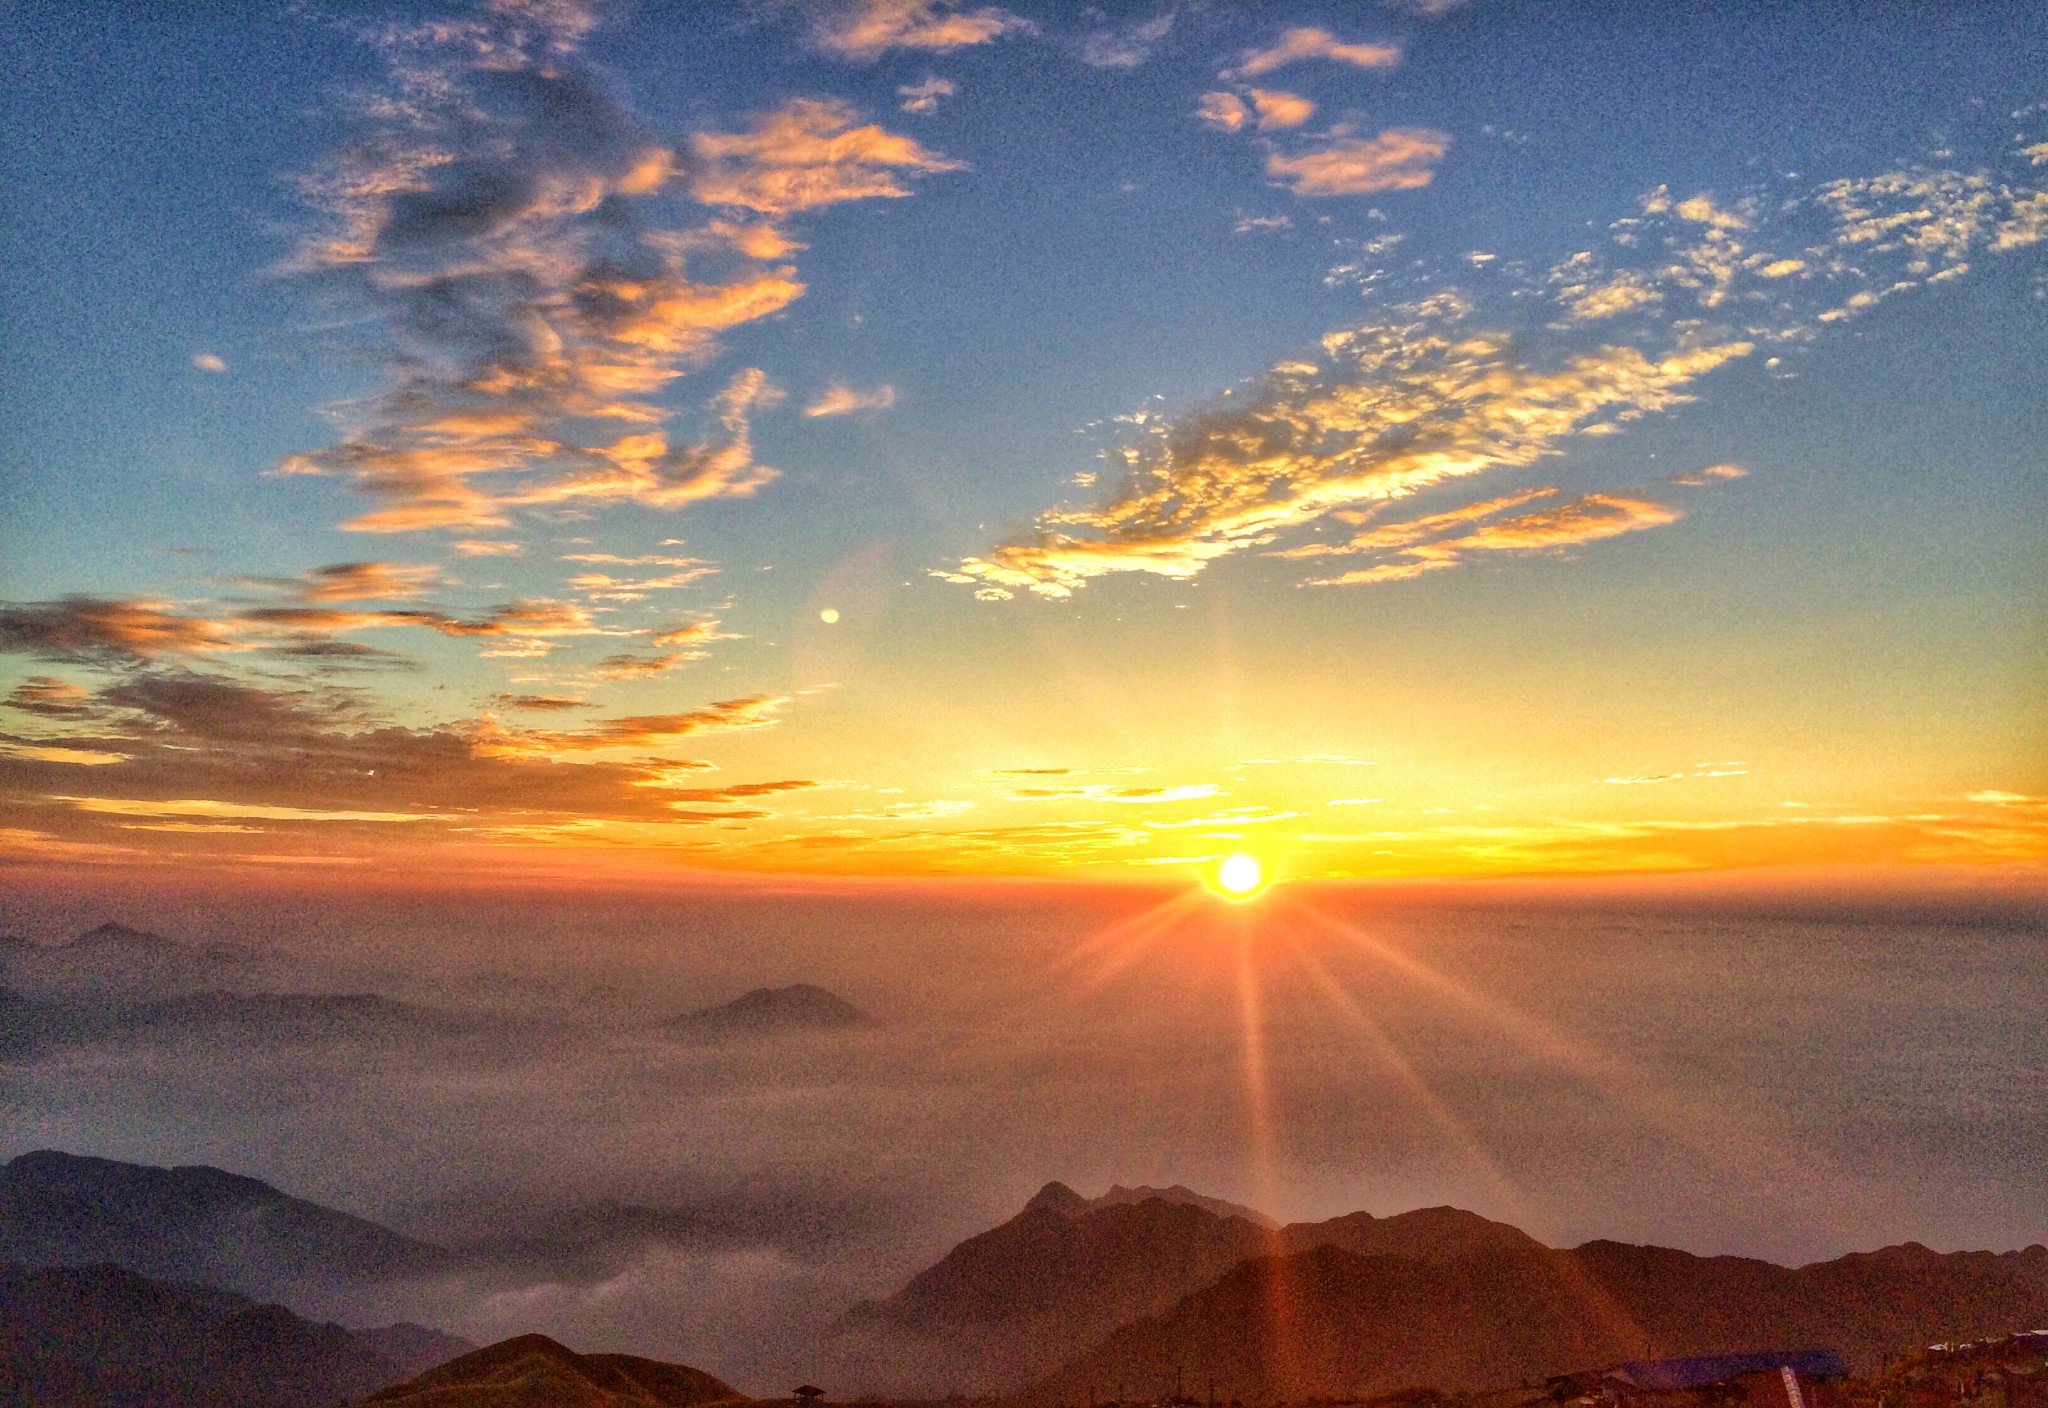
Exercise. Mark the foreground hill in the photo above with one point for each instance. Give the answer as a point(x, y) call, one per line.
point(101, 1336)
point(1330, 1322)
point(1010, 1305)
point(533, 1371)
point(192, 1224)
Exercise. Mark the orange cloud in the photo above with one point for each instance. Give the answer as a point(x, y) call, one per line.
point(805, 154)
point(1582, 520)
point(1223, 110)
point(636, 731)
point(1277, 109)
point(1307, 42)
point(863, 30)
point(1396, 406)
point(102, 630)
point(839, 400)
point(51, 697)
point(924, 97)
point(1399, 159)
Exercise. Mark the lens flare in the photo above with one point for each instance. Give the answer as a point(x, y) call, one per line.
point(1239, 875)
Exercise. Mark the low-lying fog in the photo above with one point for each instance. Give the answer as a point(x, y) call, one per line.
point(1790, 1086)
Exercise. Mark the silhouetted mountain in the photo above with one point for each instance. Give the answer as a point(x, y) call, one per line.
point(1007, 1306)
point(102, 1337)
point(533, 1371)
point(767, 1011)
point(1331, 1322)
point(1119, 1195)
point(117, 959)
point(192, 1224)
point(30, 1027)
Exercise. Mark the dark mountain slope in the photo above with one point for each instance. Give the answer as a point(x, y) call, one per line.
point(192, 1224)
point(104, 1337)
point(533, 1371)
point(1330, 1322)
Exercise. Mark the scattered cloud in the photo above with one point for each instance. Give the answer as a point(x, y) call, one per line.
point(177, 743)
point(1399, 159)
point(808, 153)
point(839, 399)
point(51, 697)
point(1126, 47)
point(1427, 9)
point(356, 581)
point(1261, 224)
point(1443, 540)
point(1307, 42)
point(543, 703)
point(1712, 474)
point(482, 547)
point(924, 97)
point(93, 630)
point(1225, 111)
point(1278, 109)
point(863, 30)
point(209, 362)
point(1393, 407)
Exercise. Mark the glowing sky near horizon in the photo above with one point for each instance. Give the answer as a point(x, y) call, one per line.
point(892, 437)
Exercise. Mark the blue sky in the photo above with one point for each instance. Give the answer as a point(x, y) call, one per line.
point(1816, 233)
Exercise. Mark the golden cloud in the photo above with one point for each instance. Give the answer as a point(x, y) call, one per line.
point(1223, 110)
point(866, 29)
point(808, 153)
point(1308, 42)
point(1582, 520)
point(839, 400)
point(1395, 407)
point(1278, 109)
point(1399, 159)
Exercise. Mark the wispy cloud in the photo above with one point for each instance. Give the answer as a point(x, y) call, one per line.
point(97, 630)
point(175, 743)
point(1128, 46)
point(1445, 540)
point(864, 30)
point(1399, 159)
point(839, 399)
point(808, 153)
point(1390, 408)
point(1225, 111)
point(924, 97)
point(1307, 42)
point(209, 362)
point(1278, 109)
point(508, 224)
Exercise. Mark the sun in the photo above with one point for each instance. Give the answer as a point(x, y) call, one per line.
point(1240, 876)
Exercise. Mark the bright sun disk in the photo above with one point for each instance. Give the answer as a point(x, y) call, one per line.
point(1239, 874)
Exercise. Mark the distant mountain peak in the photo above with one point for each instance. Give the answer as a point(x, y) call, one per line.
point(766, 1011)
point(1182, 1195)
point(1058, 1198)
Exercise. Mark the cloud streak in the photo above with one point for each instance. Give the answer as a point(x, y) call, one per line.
point(1391, 408)
point(864, 30)
point(1308, 42)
